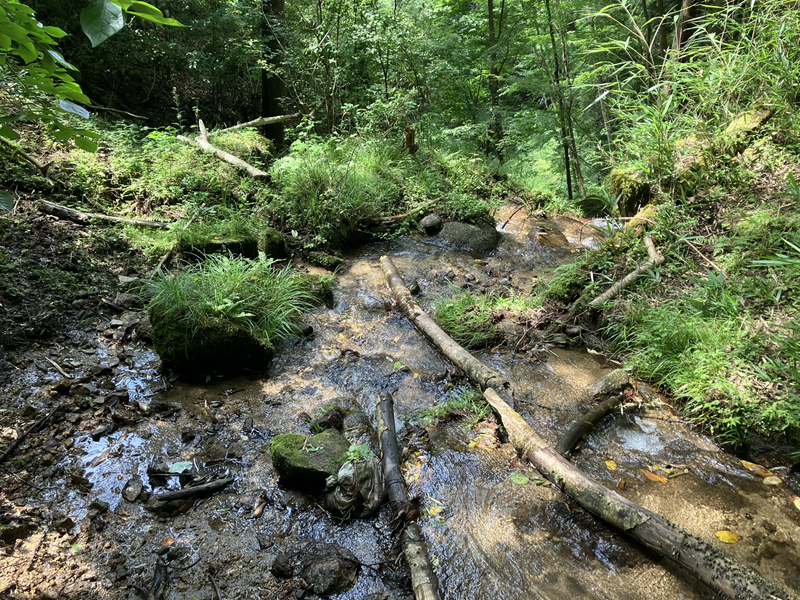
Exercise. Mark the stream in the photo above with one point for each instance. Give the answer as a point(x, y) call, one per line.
point(491, 534)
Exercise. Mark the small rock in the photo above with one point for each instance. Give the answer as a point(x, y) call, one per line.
point(63, 524)
point(282, 567)
point(83, 389)
point(772, 480)
point(329, 569)
point(133, 488)
point(61, 386)
point(330, 419)
point(431, 224)
point(616, 380)
point(99, 505)
point(463, 236)
point(128, 301)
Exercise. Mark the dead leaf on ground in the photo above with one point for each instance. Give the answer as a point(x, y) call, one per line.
point(757, 469)
point(612, 466)
point(727, 537)
point(653, 477)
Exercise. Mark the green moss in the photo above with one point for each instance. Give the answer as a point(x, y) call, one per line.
point(305, 462)
point(643, 218)
point(325, 260)
point(272, 244)
point(633, 192)
point(318, 287)
point(735, 137)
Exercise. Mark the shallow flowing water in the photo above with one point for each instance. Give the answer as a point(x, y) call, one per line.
point(489, 537)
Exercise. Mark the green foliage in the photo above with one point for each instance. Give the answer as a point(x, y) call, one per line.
point(249, 293)
point(358, 452)
point(467, 317)
point(103, 18)
point(464, 400)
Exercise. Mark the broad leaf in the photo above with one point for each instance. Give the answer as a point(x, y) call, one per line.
point(100, 20)
point(70, 107)
point(8, 133)
point(6, 201)
point(60, 59)
point(519, 478)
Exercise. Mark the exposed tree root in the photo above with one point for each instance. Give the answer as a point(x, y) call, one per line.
point(423, 579)
point(656, 258)
point(703, 560)
point(201, 141)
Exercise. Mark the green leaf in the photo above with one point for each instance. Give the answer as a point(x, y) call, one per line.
point(519, 478)
point(180, 467)
point(85, 144)
point(6, 201)
point(8, 133)
point(100, 20)
point(57, 56)
point(74, 109)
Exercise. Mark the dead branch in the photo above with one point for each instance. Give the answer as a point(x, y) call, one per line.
point(423, 578)
point(15, 149)
point(201, 141)
point(195, 491)
point(585, 424)
point(112, 110)
point(703, 560)
point(701, 255)
point(656, 258)
point(261, 122)
point(80, 217)
point(377, 221)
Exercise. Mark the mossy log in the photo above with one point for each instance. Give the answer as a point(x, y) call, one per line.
point(632, 192)
point(704, 561)
point(202, 142)
point(423, 579)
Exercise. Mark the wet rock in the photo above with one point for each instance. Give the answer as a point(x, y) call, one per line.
point(63, 524)
point(144, 330)
point(320, 288)
point(272, 243)
point(512, 332)
point(481, 239)
point(431, 224)
point(329, 568)
point(11, 533)
point(548, 235)
point(99, 506)
point(61, 386)
point(282, 567)
point(215, 346)
point(358, 490)
point(380, 596)
point(305, 462)
point(615, 381)
point(357, 428)
point(133, 488)
point(629, 186)
point(325, 260)
point(83, 389)
point(330, 419)
point(772, 480)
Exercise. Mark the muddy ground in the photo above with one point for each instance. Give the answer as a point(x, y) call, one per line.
point(77, 373)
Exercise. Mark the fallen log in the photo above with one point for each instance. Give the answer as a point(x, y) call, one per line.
point(423, 579)
point(378, 221)
point(195, 491)
point(81, 217)
point(585, 424)
point(656, 258)
point(709, 564)
point(201, 141)
point(261, 122)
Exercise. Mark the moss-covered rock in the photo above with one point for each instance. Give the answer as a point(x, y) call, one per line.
point(245, 246)
point(736, 135)
point(325, 260)
point(217, 346)
point(320, 288)
point(272, 243)
point(480, 239)
point(305, 462)
point(642, 219)
point(633, 192)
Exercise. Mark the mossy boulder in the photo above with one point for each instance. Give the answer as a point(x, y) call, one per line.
point(642, 219)
point(319, 287)
point(214, 346)
point(325, 260)
point(305, 462)
point(272, 244)
point(478, 239)
point(736, 136)
point(244, 245)
point(633, 192)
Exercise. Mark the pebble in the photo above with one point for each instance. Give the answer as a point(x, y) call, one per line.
point(772, 480)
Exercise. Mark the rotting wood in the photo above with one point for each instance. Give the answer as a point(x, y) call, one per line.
point(585, 424)
point(261, 122)
point(423, 579)
point(81, 217)
point(656, 258)
point(32, 429)
point(201, 141)
point(706, 562)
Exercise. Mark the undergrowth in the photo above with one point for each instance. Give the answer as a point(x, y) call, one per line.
point(464, 400)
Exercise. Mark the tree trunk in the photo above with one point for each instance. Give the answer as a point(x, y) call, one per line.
point(703, 560)
point(423, 579)
point(273, 88)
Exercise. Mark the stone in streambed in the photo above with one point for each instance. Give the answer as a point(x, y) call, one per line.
point(431, 224)
point(480, 239)
point(305, 462)
point(615, 381)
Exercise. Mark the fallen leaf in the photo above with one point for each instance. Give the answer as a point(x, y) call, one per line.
point(727, 537)
point(167, 542)
point(519, 478)
point(100, 458)
point(796, 500)
point(612, 466)
point(653, 476)
point(181, 466)
point(621, 484)
point(757, 469)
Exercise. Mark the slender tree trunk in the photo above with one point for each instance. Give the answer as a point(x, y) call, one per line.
point(559, 98)
point(683, 29)
point(273, 88)
point(494, 81)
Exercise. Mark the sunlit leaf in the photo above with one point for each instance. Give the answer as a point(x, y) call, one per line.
point(181, 466)
point(727, 537)
point(612, 466)
point(73, 108)
point(653, 477)
point(85, 144)
point(519, 478)
point(6, 201)
point(8, 133)
point(100, 20)
point(796, 501)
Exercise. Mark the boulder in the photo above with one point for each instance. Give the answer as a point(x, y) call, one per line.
point(216, 346)
point(305, 462)
point(614, 381)
point(633, 192)
point(431, 224)
point(329, 568)
point(272, 244)
point(245, 246)
point(480, 239)
point(325, 260)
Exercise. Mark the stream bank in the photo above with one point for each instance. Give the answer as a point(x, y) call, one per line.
point(490, 534)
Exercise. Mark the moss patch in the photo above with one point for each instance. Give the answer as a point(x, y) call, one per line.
point(305, 462)
point(319, 288)
point(633, 193)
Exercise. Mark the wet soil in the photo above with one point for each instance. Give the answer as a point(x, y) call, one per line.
point(69, 532)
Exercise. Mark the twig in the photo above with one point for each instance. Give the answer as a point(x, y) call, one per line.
point(58, 368)
point(655, 259)
point(15, 149)
point(214, 585)
point(78, 216)
point(508, 220)
point(701, 255)
point(113, 110)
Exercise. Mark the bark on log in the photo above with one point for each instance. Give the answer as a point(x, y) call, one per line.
point(585, 424)
point(194, 491)
point(202, 142)
point(482, 375)
point(709, 564)
point(423, 579)
point(80, 217)
point(656, 258)
point(378, 221)
point(261, 122)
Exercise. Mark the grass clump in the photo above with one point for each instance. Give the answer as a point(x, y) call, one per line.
point(222, 296)
point(463, 400)
point(468, 318)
